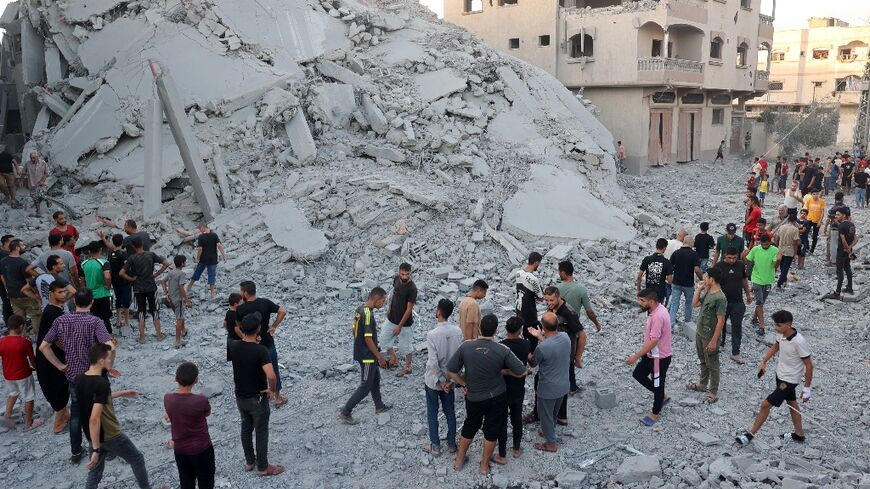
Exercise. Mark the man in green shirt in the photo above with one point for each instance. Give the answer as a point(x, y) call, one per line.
point(765, 259)
point(730, 240)
point(575, 294)
point(98, 278)
point(711, 304)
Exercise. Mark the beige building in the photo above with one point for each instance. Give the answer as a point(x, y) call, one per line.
point(664, 74)
point(824, 62)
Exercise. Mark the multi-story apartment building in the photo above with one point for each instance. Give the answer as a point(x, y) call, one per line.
point(824, 62)
point(665, 74)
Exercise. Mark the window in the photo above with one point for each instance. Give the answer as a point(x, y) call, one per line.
point(502, 3)
point(716, 48)
point(847, 55)
point(472, 6)
point(742, 50)
point(582, 45)
point(544, 40)
point(692, 98)
point(514, 43)
point(818, 84)
point(820, 54)
point(851, 83)
point(721, 99)
point(746, 3)
point(664, 97)
point(718, 117)
point(777, 56)
point(656, 51)
point(775, 85)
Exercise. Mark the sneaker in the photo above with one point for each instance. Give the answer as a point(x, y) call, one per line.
point(848, 291)
point(793, 437)
point(76, 458)
point(347, 418)
point(832, 295)
point(387, 407)
point(745, 438)
point(738, 359)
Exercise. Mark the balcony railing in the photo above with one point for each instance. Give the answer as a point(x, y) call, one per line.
point(762, 75)
point(670, 64)
point(765, 19)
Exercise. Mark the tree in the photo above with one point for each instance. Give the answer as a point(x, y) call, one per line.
point(814, 127)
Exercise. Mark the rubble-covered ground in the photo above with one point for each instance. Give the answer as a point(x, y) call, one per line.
point(693, 443)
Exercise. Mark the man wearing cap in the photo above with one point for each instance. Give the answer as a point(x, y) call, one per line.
point(765, 260)
point(730, 240)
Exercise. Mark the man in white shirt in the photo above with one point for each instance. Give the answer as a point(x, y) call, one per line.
point(675, 244)
point(441, 343)
point(794, 363)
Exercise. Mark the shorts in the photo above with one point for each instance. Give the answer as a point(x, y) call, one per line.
point(784, 392)
point(200, 267)
point(490, 413)
point(387, 340)
point(123, 295)
point(178, 309)
point(149, 299)
point(24, 389)
point(760, 293)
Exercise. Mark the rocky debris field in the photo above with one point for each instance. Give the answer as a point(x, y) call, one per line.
point(691, 447)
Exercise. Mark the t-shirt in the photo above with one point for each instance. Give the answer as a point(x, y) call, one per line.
point(16, 351)
point(94, 270)
point(815, 208)
point(673, 245)
point(14, 271)
point(469, 312)
point(847, 232)
point(70, 231)
point(575, 295)
point(787, 236)
point(553, 357)
point(784, 171)
point(703, 244)
point(364, 326)
point(656, 269)
point(752, 216)
point(141, 266)
point(832, 214)
point(128, 242)
point(861, 179)
point(116, 263)
point(569, 320)
point(724, 242)
point(42, 285)
point(77, 332)
point(792, 352)
point(176, 280)
point(792, 199)
point(95, 389)
point(658, 327)
point(528, 289)
point(403, 294)
point(763, 187)
point(187, 413)
point(516, 387)
point(733, 275)
point(248, 361)
point(764, 264)
point(712, 306)
point(684, 261)
point(809, 175)
point(208, 242)
point(230, 322)
point(68, 259)
point(266, 308)
point(483, 361)
point(847, 171)
point(6, 163)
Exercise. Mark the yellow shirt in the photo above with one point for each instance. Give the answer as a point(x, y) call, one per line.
point(815, 208)
point(764, 186)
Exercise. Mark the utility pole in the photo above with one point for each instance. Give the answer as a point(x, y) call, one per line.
point(862, 118)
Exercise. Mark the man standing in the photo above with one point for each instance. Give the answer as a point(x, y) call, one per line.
point(720, 153)
point(139, 269)
point(469, 310)
point(844, 253)
point(861, 179)
point(39, 287)
point(734, 279)
point(779, 219)
point(441, 343)
point(753, 214)
point(703, 244)
point(207, 246)
point(815, 207)
point(686, 266)
point(516, 390)
point(484, 361)
point(730, 240)
point(576, 295)
point(794, 363)
point(255, 383)
point(397, 332)
point(70, 272)
point(133, 232)
point(658, 270)
point(368, 354)
point(569, 323)
point(98, 278)
point(764, 259)
point(711, 319)
point(788, 240)
point(620, 156)
point(76, 332)
point(529, 292)
point(36, 174)
point(655, 354)
point(551, 355)
point(793, 198)
point(9, 171)
point(832, 228)
point(265, 308)
point(62, 228)
point(14, 275)
point(747, 143)
point(5, 241)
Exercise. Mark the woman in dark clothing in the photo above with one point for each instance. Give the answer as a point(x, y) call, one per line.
point(54, 385)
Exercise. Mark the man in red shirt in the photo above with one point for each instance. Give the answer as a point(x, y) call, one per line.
point(760, 230)
point(69, 233)
point(753, 214)
point(16, 351)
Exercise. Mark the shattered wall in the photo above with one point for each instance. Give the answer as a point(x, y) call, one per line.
point(322, 120)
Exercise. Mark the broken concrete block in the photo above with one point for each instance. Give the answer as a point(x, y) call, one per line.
point(436, 84)
point(339, 73)
point(638, 469)
point(53, 101)
point(374, 115)
point(382, 152)
point(386, 20)
point(442, 272)
point(99, 118)
point(300, 138)
point(291, 230)
point(220, 170)
point(53, 67)
point(335, 102)
point(705, 439)
point(559, 252)
point(571, 479)
point(605, 398)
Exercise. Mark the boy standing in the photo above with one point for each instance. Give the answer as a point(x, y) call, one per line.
point(98, 278)
point(194, 453)
point(207, 246)
point(711, 319)
point(16, 351)
point(655, 355)
point(230, 324)
point(516, 390)
point(173, 289)
point(441, 343)
point(794, 362)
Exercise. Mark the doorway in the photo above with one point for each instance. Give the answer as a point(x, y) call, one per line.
point(660, 129)
point(689, 137)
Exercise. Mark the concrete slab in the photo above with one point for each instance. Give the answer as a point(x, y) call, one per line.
point(301, 141)
point(126, 162)
point(374, 115)
point(291, 230)
point(705, 439)
point(384, 152)
point(83, 10)
point(335, 102)
point(436, 84)
point(638, 469)
point(53, 68)
point(566, 210)
point(99, 118)
point(339, 73)
point(517, 91)
point(10, 14)
point(116, 41)
point(398, 51)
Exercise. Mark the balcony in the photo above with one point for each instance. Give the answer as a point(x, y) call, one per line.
point(765, 27)
point(670, 70)
point(762, 80)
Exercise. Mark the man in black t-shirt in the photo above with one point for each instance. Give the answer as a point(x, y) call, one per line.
point(207, 246)
point(846, 173)
point(368, 354)
point(265, 308)
point(14, 275)
point(255, 383)
point(516, 388)
point(658, 270)
point(397, 331)
point(8, 170)
point(844, 253)
point(861, 179)
point(139, 269)
point(687, 266)
point(734, 280)
point(703, 244)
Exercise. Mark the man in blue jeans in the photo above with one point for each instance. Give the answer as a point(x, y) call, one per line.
point(687, 266)
point(441, 343)
point(207, 246)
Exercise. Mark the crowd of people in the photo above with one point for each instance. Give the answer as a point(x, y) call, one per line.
point(73, 302)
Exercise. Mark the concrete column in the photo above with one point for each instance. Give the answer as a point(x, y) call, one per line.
point(53, 67)
point(665, 51)
point(153, 158)
point(32, 72)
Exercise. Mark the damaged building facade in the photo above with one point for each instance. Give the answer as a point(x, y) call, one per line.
point(670, 77)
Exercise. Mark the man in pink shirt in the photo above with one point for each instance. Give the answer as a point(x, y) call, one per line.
point(655, 355)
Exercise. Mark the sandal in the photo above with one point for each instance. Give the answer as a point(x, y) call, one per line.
point(711, 398)
point(271, 470)
point(404, 372)
point(35, 424)
point(647, 421)
point(696, 387)
point(432, 450)
point(280, 400)
point(545, 447)
point(498, 460)
point(461, 465)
